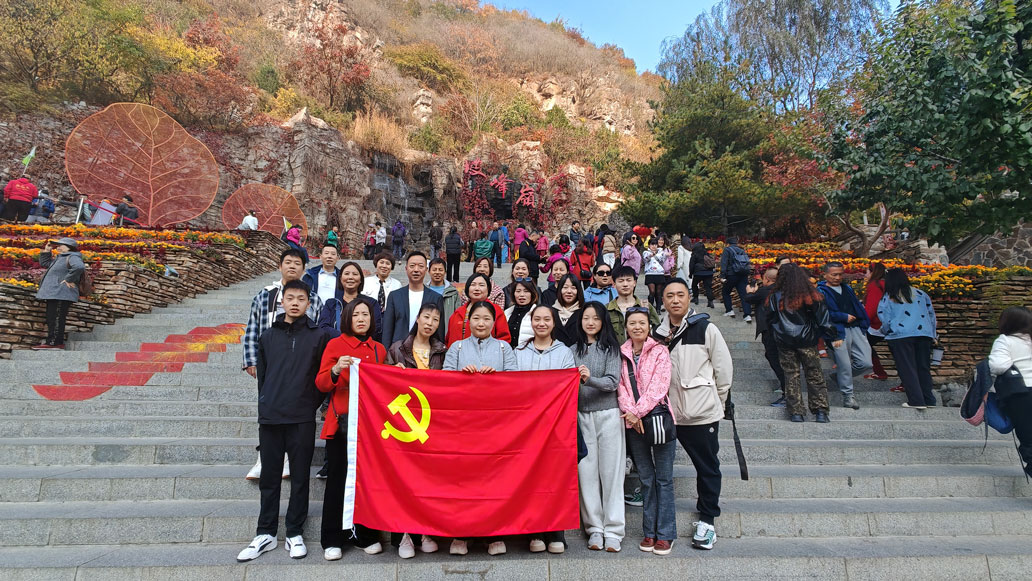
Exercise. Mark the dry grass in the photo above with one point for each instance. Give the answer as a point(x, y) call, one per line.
point(378, 132)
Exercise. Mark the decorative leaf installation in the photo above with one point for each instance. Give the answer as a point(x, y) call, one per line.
point(272, 203)
point(135, 149)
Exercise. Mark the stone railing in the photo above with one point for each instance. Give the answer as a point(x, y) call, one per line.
point(122, 289)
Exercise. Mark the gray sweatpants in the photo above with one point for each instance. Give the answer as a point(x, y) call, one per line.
point(601, 473)
point(853, 358)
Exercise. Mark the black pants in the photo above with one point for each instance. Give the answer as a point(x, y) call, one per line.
point(707, 284)
point(770, 352)
point(57, 314)
point(333, 533)
point(496, 254)
point(298, 441)
point(702, 446)
point(913, 357)
point(17, 210)
point(453, 266)
point(1019, 409)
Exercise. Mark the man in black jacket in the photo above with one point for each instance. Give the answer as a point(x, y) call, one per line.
point(288, 360)
point(530, 254)
point(757, 297)
point(404, 303)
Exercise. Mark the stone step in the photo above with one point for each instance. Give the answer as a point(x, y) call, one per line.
point(919, 558)
point(248, 409)
point(58, 359)
point(218, 521)
point(96, 450)
point(130, 346)
point(247, 427)
point(199, 482)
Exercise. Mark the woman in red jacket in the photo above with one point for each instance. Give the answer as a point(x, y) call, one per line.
point(872, 295)
point(354, 343)
point(478, 287)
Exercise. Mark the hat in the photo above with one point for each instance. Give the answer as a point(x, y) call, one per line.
point(69, 242)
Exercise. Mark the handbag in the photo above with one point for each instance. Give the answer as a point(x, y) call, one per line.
point(658, 424)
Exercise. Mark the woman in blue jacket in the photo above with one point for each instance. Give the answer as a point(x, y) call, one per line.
point(908, 321)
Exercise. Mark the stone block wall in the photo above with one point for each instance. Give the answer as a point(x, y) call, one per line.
point(1005, 250)
point(128, 289)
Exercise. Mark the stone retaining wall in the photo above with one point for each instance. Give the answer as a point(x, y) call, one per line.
point(127, 289)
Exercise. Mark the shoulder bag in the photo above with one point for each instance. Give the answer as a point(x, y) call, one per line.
point(658, 424)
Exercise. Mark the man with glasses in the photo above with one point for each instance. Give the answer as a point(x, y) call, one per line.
point(601, 288)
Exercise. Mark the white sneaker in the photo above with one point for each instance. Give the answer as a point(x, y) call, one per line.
point(730, 314)
point(428, 544)
point(296, 547)
point(458, 547)
point(556, 547)
point(496, 548)
point(705, 536)
point(748, 319)
point(595, 542)
point(260, 544)
point(373, 549)
point(286, 467)
point(333, 554)
point(256, 471)
point(537, 546)
point(406, 550)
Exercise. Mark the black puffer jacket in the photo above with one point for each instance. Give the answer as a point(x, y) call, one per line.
point(453, 243)
point(799, 329)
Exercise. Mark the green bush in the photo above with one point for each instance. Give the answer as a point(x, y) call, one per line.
point(519, 113)
point(430, 137)
point(556, 117)
point(427, 63)
point(267, 79)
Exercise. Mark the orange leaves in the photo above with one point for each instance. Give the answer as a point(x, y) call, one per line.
point(135, 149)
point(272, 204)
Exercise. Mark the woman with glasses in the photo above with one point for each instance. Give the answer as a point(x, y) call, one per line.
point(525, 297)
point(629, 255)
point(600, 473)
point(544, 352)
point(477, 288)
point(520, 269)
point(644, 383)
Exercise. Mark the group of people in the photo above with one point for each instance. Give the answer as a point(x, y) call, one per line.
point(23, 202)
point(648, 381)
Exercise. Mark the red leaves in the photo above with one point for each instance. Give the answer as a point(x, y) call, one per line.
point(135, 149)
point(272, 203)
point(333, 66)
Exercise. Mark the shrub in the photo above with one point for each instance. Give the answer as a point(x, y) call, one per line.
point(267, 79)
point(378, 132)
point(519, 113)
point(427, 63)
point(288, 102)
point(430, 137)
point(557, 118)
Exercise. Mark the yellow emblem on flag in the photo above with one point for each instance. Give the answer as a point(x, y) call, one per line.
point(416, 428)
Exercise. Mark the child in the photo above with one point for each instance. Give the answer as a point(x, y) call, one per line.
point(288, 361)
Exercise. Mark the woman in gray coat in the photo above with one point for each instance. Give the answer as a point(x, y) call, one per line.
point(59, 288)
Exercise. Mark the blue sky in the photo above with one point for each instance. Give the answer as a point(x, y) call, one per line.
point(637, 26)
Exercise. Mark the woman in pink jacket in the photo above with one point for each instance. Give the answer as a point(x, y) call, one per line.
point(646, 370)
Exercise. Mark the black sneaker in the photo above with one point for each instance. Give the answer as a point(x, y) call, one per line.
point(797, 418)
point(822, 417)
point(778, 403)
point(321, 474)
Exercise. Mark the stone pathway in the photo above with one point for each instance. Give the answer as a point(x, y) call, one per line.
point(124, 457)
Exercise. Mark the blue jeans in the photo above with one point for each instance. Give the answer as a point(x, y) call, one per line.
point(656, 469)
point(737, 282)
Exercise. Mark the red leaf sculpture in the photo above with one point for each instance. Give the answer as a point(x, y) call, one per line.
point(136, 149)
point(272, 204)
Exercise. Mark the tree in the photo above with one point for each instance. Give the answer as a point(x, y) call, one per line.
point(787, 50)
point(37, 39)
point(332, 67)
point(942, 125)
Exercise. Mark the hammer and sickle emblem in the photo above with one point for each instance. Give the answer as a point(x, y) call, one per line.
point(416, 428)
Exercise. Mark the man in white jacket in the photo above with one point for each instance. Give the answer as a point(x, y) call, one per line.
point(700, 379)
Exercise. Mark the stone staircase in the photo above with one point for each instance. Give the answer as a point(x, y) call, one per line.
point(124, 457)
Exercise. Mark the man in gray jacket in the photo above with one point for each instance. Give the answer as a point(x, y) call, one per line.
point(59, 287)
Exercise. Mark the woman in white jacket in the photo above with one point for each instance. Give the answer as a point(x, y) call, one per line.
point(1013, 348)
point(525, 296)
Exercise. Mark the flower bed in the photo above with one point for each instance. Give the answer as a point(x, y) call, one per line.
point(79, 231)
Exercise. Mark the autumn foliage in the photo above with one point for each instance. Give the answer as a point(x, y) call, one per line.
point(332, 67)
point(136, 149)
point(272, 204)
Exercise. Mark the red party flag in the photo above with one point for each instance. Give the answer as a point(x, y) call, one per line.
point(462, 455)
